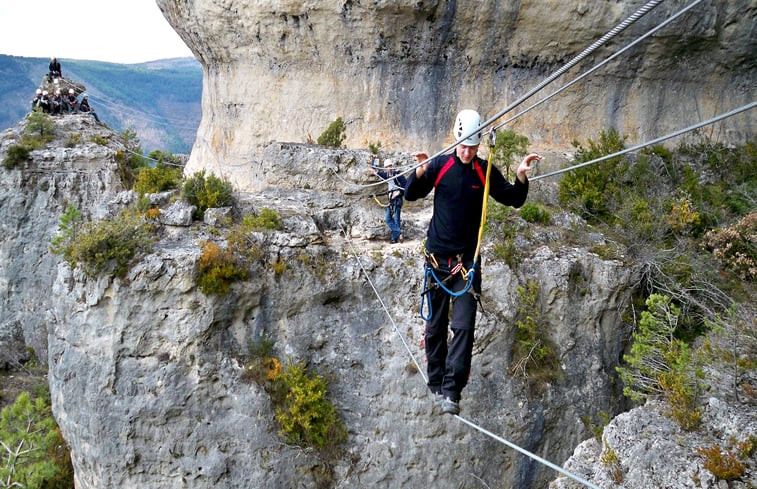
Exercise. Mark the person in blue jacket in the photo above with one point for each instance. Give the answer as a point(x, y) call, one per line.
point(458, 182)
point(396, 189)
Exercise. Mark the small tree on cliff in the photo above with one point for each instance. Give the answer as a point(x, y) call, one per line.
point(509, 144)
point(34, 455)
point(334, 135)
point(661, 365)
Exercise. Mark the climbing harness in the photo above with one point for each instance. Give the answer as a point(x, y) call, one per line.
point(432, 272)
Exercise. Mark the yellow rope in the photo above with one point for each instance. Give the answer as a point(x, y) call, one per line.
point(379, 202)
point(486, 197)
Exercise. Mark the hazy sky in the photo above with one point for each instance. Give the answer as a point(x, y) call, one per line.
point(118, 31)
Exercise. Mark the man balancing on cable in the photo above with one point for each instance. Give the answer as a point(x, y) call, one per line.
point(458, 182)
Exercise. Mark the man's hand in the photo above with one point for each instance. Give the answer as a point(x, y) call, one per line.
point(419, 157)
point(525, 166)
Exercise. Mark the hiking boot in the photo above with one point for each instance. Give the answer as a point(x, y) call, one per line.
point(450, 407)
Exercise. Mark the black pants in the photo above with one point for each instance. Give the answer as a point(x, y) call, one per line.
point(449, 364)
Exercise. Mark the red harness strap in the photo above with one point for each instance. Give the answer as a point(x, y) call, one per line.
point(448, 165)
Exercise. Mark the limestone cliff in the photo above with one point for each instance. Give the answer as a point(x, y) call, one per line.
point(31, 201)
point(398, 70)
point(146, 372)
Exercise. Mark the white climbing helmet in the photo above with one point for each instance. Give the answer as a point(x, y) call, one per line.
point(388, 163)
point(39, 91)
point(467, 120)
point(71, 91)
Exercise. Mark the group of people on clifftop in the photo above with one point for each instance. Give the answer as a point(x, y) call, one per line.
point(59, 103)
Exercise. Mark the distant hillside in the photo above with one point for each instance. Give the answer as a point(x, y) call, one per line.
point(160, 100)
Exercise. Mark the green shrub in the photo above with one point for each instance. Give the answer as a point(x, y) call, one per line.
point(16, 156)
point(40, 125)
point(143, 204)
point(38, 132)
point(68, 230)
point(334, 135)
point(207, 192)
point(128, 165)
point(374, 147)
point(73, 140)
point(158, 178)
point(33, 453)
point(611, 461)
point(730, 189)
point(303, 412)
point(534, 357)
point(130, 159)
point(591, 190)
point(499, 223)
point(165, 157)
point(508, 144)
point(660, 151)
point(661, 365)
point(109, 243)
point(267, 219)
point(640, 217)
point(535, 213)
point(99, 139)
point(217, 270)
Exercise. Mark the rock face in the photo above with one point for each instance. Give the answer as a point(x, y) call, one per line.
point(643, 436)
point(146, 372)
point(31, 203)
point(397, 71)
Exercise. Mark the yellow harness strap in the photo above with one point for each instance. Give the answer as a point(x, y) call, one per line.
point(379, 202)
point(492, 139)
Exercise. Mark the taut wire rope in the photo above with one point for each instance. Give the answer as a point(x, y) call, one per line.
point(115, 105)
point(594, 46)
point(651, 142)
point(425, 380)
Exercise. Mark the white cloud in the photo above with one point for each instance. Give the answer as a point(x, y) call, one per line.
point(132, 31)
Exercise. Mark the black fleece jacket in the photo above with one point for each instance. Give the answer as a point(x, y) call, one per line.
point(458, 202)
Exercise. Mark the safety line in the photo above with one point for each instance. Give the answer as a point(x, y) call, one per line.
point(425, 380)
point(108, 102)
point(527, 453)
point(649, 143)
point(595, 45)
point(383, 306)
